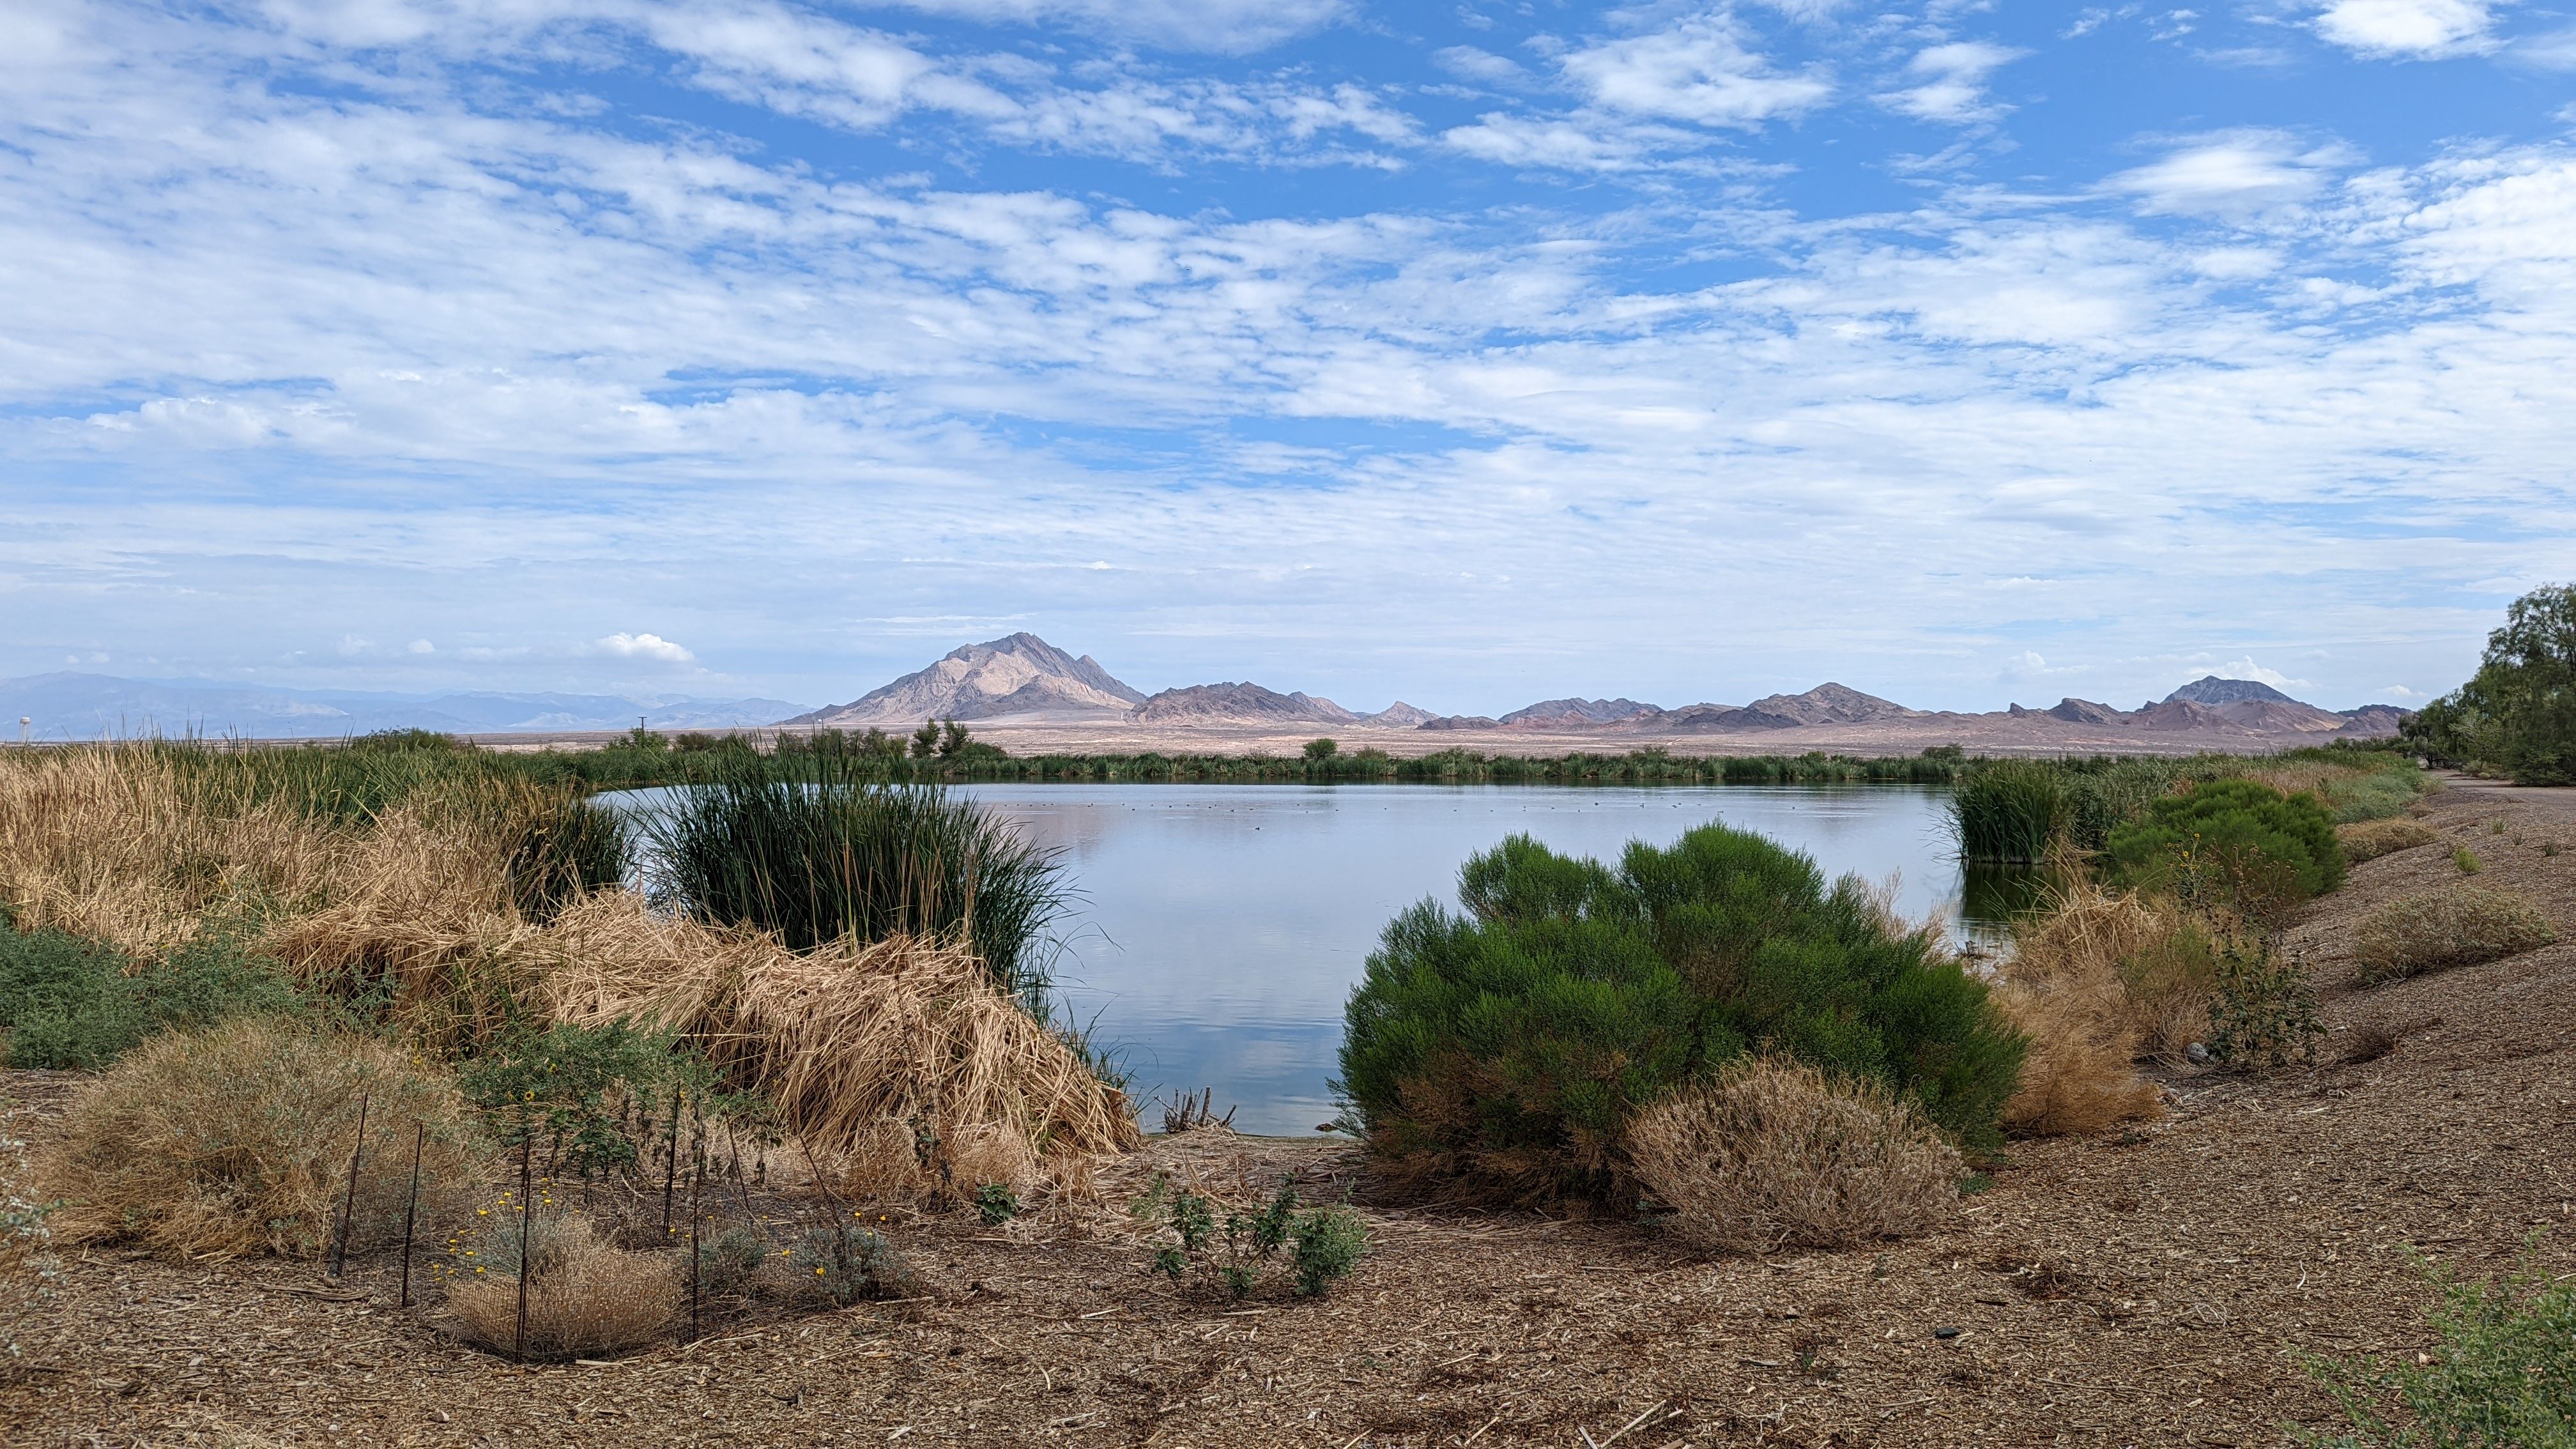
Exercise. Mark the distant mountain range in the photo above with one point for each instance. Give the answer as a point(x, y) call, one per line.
point(1023, 680)
point(68, 706)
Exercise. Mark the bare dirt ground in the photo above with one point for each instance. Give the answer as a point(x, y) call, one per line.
point(2159, 1286)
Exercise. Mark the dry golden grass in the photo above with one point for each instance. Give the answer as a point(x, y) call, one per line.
point(1771, 1155)
point(236, 1141)
point(2448, 926)
point(899, 1063)
point(2070, 989)
point(2370, 839)
point(585, 1296)
point(106, 843)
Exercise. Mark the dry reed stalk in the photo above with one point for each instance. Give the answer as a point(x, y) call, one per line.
point(2068, 990)
point(1771, 1154)
point(898, 1062)
point(106, 842)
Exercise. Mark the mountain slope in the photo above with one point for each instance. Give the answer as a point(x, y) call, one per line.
point(1577, 713)
point(1232, 702)
point(1021, 674)
point(2211, 690)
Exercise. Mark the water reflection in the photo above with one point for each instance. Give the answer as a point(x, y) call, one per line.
point(1222, 927)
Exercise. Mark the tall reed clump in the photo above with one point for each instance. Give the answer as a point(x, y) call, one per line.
point(900, 1062)
point(1501, 1053)
point(2010, 812)
point(840, 854)
point(236, 1140)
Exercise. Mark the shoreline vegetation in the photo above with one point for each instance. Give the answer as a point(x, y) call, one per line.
point(708, 1102)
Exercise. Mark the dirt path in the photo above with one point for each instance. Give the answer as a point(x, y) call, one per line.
point(2157, 1287)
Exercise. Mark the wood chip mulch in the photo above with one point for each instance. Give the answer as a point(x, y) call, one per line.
point(2161, 1286)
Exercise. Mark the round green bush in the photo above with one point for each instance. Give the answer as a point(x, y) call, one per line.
point(2234, 843)
point(1499, 1053)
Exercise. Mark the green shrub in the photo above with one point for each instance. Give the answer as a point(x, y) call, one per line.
point(847, 1264)
point(2454, 925)
point(2236, 845)
point(1324, 1244)
point(2263, 1013)
point(67, 1002)
point(2504, 1374)
point(996, 1204)
point(2467, 861)
point(1501, 1052)
point(1329, 1242)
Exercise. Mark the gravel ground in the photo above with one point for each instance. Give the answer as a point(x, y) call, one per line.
point(2160, 1286)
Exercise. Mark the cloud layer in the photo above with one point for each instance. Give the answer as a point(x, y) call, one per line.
point(1766, 342)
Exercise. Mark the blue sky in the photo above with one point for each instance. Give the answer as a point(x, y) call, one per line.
point(1467, 354)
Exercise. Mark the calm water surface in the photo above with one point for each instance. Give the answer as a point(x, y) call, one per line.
point(1221, 927)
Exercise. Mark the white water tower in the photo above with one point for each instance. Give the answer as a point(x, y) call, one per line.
point(23, 722)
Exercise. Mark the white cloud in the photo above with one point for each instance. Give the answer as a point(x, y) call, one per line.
point(2233, 174)
point(1698, 70)
point(2553, 51)
point(420, 646)
point(2408, 29)
point(1952, 86)
point(1479, 65)
point(1209, 25)
point(2399, 691)
point(2246, 668)
point(645, 646)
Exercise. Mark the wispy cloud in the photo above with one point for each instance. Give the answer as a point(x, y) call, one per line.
point(1950, 82)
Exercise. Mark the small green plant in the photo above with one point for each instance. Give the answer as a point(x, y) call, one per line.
point(2503, 1373)
point(1324, 1244)
point(727, 1261)
point(996, 1204)
point(1330, 1241)
point(2467, 860)
point(2265, 1011)
point(850, 1264)
point(576, 1087)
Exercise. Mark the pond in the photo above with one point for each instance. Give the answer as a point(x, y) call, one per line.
point(1220, 928)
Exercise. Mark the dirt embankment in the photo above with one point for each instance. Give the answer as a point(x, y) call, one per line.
point(2153, 1287)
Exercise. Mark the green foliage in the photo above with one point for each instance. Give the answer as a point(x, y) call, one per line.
point(2233, 845)
point(560, 848)
point(1322, 749)
point(581, 1089)
point(1502, 1051)
point(1324, 1244)
point(838, 852)
point(996, 1204)
point(727, 1261)
point(849, 1264)
point(2467, 861)
point(1330, 1241)
point(2517, 714)
point(2503, 1374)
point(2264, 1010)
point(2010, 812)
point(75, 1003)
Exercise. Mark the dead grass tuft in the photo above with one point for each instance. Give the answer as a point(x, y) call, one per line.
point(2075, 987)
point(2448, 926)
point(236, 1141)
point(900, 1064)
point(2371, 839)
point(585, 1296)
point(1770, 1155)
point(2370, 1041)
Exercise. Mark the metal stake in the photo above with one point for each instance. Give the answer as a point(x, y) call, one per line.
point(411, 1206)
point(527, 1147)
point(349, 1196)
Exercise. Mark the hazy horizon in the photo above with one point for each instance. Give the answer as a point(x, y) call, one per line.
point(1959, 353)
